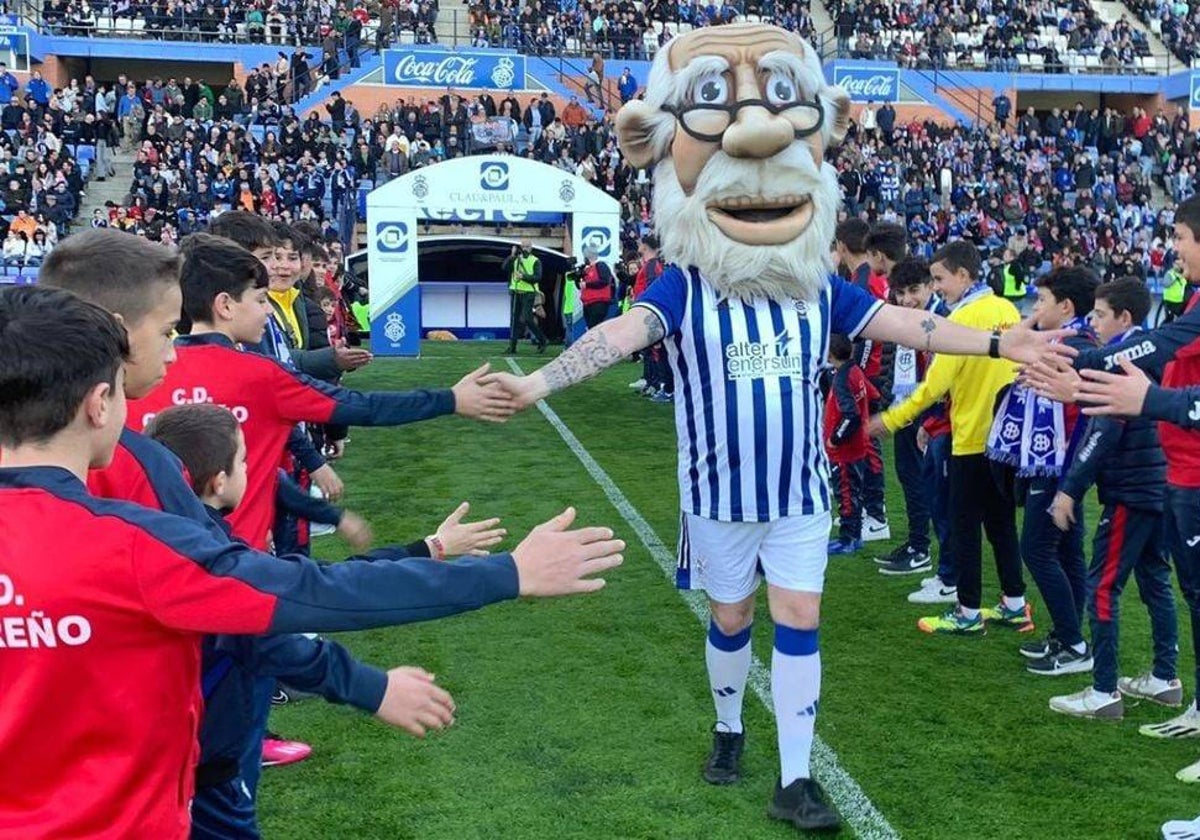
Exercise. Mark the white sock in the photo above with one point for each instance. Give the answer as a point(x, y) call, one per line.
point(968, 612)
point(728, 660)
point(796, 691)
point(1079, 648)
point(1017, 603)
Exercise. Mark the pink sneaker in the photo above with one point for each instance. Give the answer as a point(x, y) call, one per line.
point(277, 752)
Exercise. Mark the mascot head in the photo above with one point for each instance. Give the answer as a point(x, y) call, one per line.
point(735, 124)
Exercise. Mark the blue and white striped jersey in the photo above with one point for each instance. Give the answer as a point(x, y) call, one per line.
point(748, 408)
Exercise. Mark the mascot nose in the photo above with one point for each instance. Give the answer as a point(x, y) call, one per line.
point(757, 133)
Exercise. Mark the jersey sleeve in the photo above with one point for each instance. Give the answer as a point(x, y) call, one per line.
point(1177, 406)
point(318, 666)
point(298, 398)
point(850, 308)
point(1150, 350)
point(666, 297)
point(189, 581)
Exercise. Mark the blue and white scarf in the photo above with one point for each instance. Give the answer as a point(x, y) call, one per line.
point(1029, 431)
point(977, 291)
point(906, 368)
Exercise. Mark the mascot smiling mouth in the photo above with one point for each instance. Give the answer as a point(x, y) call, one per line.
point(755, 220)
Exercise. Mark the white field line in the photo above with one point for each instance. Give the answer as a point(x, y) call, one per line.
point(863, 817)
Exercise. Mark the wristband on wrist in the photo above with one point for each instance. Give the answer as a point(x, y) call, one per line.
point(437, 549)
point(994, 345)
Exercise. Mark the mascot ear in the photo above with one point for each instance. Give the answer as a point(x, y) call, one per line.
point(640, 133)
point(840, 122)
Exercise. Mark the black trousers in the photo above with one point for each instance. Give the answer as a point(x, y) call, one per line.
point(523, 320)
point(980, 504)
point(595, 313)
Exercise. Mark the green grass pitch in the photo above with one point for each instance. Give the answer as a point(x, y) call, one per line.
point(589, 717)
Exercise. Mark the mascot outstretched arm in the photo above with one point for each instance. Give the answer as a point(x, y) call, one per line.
point(735, 126)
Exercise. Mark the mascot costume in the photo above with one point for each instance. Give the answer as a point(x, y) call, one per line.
point(735, 126)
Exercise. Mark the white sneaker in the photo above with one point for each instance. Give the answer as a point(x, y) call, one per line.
point(1090, 703)
point(934, 593)
point(927, 582)
point(637, 384)
point(873, 529)
point(1189, 774)
point(1186, 725)
point(1181, 829)
point(1149, 687)
point(317, 529)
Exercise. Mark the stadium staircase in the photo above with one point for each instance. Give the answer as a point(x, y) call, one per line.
point(114, 189)
point(453, 25)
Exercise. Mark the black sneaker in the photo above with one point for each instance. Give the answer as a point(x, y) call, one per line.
point(280, 697)
point(724, 765)
point(1039, 648)
point(1060, 661)
point(910, 562)
point(802, 803)
point(898, 553)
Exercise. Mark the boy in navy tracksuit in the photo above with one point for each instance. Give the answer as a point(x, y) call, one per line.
point(847, 409)
point(1125, 460)
point(208, 441)
point(1033, 436)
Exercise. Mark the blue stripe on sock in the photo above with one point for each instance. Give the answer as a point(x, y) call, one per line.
point(727, 643)
point(793, 642)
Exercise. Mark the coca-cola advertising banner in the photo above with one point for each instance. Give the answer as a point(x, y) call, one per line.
point(471, 69)
point(869, 84)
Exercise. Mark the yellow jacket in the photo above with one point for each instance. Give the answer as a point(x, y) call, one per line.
point(971, 381)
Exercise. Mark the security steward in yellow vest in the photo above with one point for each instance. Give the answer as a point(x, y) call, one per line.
point(1012, 279)
point(524, 271)
point(1174, 295)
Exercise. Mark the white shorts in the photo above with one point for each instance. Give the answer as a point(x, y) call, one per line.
point(726, 559)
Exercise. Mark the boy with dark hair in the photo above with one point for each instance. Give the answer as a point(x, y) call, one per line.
point(920, 451)
point(847, 409)
point(136, 588)
point(972, 385)
point(851, 246)
point(1125, 460)
point(209, 442)
point(224, 293)
point(886, 243)
point(1033, 437)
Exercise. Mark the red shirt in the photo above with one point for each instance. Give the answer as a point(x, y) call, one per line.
point(1182, 447)
point(847, 412)
point(101, 659)
point(268, 399)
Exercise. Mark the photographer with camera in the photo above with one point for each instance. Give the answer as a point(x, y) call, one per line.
point(525, 274)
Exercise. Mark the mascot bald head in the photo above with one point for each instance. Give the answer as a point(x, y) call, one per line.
point(735, 123)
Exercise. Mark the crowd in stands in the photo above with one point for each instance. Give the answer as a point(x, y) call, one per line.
point(1065, 188)
point(1004, 36)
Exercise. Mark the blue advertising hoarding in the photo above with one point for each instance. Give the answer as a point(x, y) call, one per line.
point(1194, 99)
point(470, 69)
point(869, 84)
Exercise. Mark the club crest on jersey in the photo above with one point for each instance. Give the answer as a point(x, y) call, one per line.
point(758, 359)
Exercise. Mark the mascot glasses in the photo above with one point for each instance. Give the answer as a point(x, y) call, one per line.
point(707, 122)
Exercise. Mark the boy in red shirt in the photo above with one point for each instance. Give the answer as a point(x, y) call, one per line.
point(224, 297)
point(847, 410)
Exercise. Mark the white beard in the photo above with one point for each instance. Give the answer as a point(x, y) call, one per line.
point(799, 269)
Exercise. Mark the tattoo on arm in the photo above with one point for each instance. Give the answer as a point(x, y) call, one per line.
point(582, 360)
point(929, 325)
point(655, 331)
